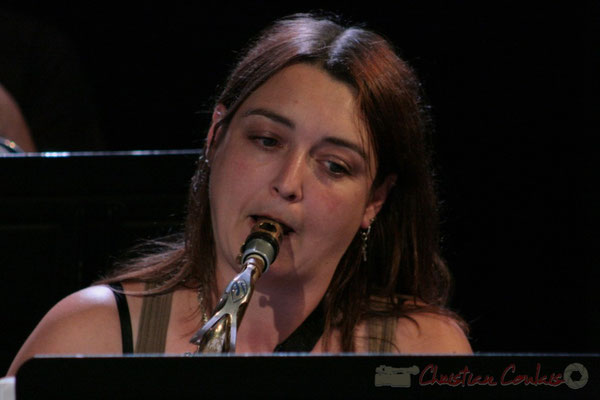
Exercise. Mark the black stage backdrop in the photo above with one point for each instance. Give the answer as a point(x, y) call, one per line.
point(512, 87)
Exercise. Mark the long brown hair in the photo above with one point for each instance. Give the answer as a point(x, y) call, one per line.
point(403, 256)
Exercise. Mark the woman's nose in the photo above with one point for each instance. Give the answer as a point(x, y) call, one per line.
point(288, 182)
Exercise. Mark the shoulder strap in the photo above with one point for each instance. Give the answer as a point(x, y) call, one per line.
point(306, 336)
point(381, 335)
point(382, 329)
point(154, 322)
point(124, 317)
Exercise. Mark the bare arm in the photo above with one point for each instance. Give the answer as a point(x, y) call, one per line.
point(86, 322)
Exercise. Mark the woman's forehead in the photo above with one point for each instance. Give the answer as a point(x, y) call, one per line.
point(307, 98)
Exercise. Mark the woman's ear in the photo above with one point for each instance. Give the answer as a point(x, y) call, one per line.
point(217, 116)
point(377, 200)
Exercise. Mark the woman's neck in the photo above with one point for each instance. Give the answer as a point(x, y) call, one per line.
point(278, 306)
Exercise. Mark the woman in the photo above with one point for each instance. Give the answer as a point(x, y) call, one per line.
point(322, 129)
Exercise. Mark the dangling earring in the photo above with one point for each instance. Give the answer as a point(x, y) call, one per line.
point(365, 237)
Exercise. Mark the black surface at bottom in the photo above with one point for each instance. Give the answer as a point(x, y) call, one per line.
point(313, 376)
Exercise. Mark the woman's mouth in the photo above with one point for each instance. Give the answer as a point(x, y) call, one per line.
point(286, 229)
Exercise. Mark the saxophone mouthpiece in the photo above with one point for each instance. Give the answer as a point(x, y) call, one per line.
point(264, 241)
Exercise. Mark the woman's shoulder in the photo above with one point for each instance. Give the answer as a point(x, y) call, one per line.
point(430, 333)
point(80, 320)
point(420, 329)
point(86, 321)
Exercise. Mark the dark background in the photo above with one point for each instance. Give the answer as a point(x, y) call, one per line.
point(513, 92)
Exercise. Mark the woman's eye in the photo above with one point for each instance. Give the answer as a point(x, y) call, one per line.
point(336, 169)
point(265, 141)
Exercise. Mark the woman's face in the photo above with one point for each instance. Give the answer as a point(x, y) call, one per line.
point(296, 152)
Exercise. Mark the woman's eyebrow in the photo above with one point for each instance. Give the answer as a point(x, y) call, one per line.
point(272, 116)
point(349, 145)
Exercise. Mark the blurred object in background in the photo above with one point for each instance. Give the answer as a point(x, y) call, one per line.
point(14, 132)
point(42, 80)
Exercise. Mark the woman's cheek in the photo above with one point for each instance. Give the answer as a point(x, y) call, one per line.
point(334, 204)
